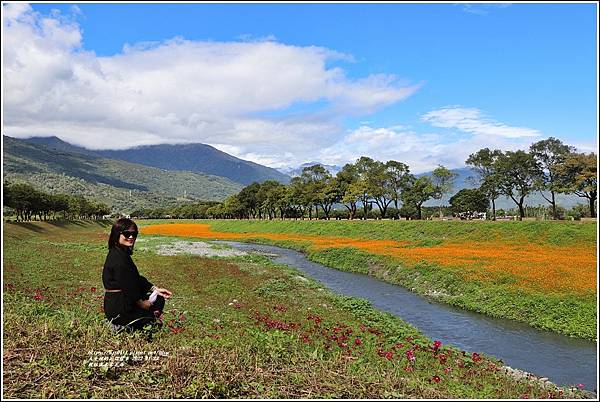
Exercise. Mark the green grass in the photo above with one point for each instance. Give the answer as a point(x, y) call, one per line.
point(236, 328)
point(423, 232)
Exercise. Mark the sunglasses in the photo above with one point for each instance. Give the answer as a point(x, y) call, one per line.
point(129, 233)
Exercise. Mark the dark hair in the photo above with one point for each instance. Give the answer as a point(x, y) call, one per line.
point(119, 226)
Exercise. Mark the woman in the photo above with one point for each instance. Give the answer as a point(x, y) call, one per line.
point(126, 291)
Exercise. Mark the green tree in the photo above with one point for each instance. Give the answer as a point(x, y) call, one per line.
point(469, 200)
point(346, 178)
point(379, 182)
point(362, 188)
point(317, 180)
point(443, 181)
point(267, 197)
point(398, 174)
point(248, 200)
point(548, 155)
point(299, 196)
point(578, 175)
point(418, 191)
point(517, 174)
point(483, 162)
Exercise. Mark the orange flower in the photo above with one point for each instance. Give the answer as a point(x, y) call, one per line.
point(569, 269)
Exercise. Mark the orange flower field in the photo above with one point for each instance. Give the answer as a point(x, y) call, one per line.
point(569, 269)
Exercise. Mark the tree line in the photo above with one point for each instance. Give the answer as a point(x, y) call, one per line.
point(367, 188)
point(31, 204)
point(550, 167)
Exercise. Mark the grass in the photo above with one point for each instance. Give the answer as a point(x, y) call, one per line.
point(241, 327)
point(540, 273)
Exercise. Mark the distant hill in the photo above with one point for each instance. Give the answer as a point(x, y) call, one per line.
point(198, 158)
point(297, 171)
point(120, 184)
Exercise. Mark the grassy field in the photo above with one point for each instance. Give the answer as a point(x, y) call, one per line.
point(239, 327)
point(542, 273)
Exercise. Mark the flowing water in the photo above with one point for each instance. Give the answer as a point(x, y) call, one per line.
point(563, 360)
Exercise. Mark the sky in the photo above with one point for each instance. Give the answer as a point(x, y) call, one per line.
point(289, 83)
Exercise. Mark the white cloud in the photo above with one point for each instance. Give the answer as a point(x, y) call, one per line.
point(179, 91)
point(483, 9)
point(473, 121)
point(422, 152)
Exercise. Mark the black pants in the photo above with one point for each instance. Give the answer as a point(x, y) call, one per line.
point(134, 319)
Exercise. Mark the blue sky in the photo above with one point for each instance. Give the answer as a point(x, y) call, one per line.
point(283, 84)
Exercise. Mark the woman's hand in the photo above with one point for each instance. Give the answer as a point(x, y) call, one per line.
point(164, 293)
point(145, 304)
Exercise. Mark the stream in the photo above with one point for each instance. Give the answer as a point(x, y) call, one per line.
point(564, 361)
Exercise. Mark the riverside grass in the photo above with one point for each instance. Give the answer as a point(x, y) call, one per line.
point(541, 273)
point(240, 327)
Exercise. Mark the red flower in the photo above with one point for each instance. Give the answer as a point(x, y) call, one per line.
point(447, 370)
point(437, 344)
point(436, 378)
point(357, 341)
point(93, 289)
point(475, 357)
point(410, 355)
point(580, 386)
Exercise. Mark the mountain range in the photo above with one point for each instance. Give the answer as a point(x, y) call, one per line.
point(197, 158)
point(297, 170)
point(122, 185)
point(163, 175)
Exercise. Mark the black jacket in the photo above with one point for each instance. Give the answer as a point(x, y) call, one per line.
point(121, 273)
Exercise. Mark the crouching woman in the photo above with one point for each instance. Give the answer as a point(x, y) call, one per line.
point(130, 300)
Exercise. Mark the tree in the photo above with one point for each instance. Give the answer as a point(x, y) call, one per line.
point(298, 193)
point(517, 174)
point(483, 162)
point(268, 195)
point(362, 188)
point(578, 175)
point(398, 174)
point(417, 192)
point(443, 181)
point(314, 178)
point(379, 187)
point(248, 201)
point(548, 155)
point(346, 178)
point(469, 200)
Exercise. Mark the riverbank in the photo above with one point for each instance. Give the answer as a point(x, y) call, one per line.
point(540, 273)
point(238, 327)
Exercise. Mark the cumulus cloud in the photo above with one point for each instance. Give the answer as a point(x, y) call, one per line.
point(422, 152)
point(180, 91)
point(473, 121)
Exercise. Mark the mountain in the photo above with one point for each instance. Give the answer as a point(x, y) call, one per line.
point(198, 158)
point(119, 184)
point(297, 171)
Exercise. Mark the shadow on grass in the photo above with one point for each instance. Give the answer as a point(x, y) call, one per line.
point(29, 226)
point(36, 227)
point(66, 224)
